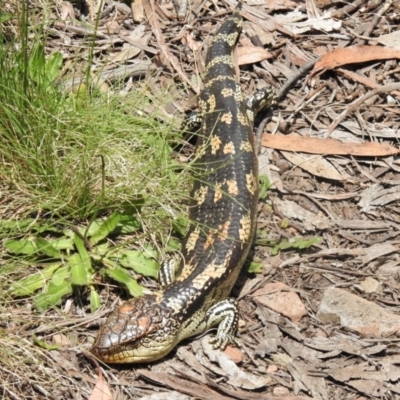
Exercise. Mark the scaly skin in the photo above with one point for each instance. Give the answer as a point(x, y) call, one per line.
point(222, 211)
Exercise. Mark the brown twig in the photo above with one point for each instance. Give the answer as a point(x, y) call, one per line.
point(261, 18)
point(72, 323)
point(377, 16)
point(348, 9)
point(353, 106)
point(80, 30)
point(126, 71)
point(298, 75)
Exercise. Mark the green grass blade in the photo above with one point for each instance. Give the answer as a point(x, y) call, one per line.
point(295, 243)
point(43, 344)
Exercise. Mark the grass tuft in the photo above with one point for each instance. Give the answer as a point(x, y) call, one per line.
point(79, 171)
point(89, 194)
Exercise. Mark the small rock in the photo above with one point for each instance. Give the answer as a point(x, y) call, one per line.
point(320, 333)
point(281, 359)
point(371, 285)
point(280, 298)
point(113, 27)
point(242, 323)
point(365, 317)
point(271, 369)
point(61, 340)
point(122, 7)
point(166, 396)
point(390, 269)
point(280, 391)
point(235, 354)
point(124, 32)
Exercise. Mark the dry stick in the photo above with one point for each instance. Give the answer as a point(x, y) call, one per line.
point(152, 17)
point(355, 104)
point(348, 9)
point(282, 92)
point(183, 6)
point(371, 5)
point(80, 30)
point(75, 322)
point(362, 38)
point(369, 28)
point(365, 81)
point(364, 172)
point(126, 71)
point(300, 73)
point(262, 19)
point(140, 45)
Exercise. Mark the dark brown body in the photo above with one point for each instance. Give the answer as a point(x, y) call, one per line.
point(222, 214)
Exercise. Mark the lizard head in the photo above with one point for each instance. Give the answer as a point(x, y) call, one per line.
point(140, 330)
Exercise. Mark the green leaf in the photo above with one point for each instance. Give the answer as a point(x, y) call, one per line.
point(296, 243)
point(101, 250)
point(139, 262)
point(43, 344)
point(256, 267)
point(32, 246)
point(121, 275)
point(63, 243)
point(43, 246)
point(265, 185)
point(32, 283)
point(52, 295)
point(79, 274)
point(21, 246)
point(149, 251)
point(128, 224)
point(106, 228)
point(173, 245)
point(61, 275)
point(95, 301)
point(84, 255)
point(180, 224)
point(18, 226)
point(284, 223)
point(37, 62)
point(53, 66)
point(88, 231)
point(4, 17)
point(134, 205)
point(109, 263)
